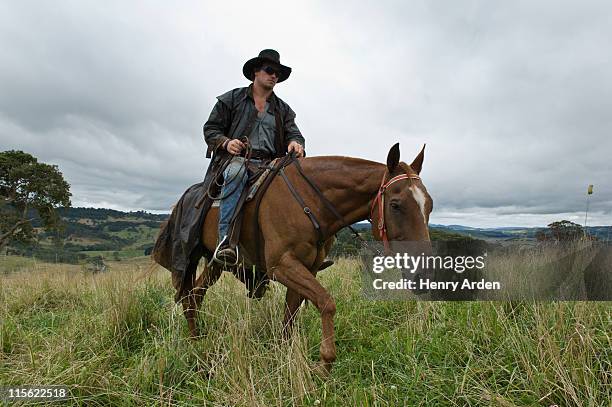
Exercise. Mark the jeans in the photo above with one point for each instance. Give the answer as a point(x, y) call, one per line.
point(235, 178)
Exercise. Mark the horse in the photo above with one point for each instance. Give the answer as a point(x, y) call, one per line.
point(391, 196)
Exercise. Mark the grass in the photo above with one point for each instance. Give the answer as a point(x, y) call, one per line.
point(11, 264)
point(118, 339)
point(110, 254)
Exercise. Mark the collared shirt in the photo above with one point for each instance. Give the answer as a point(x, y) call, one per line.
point(262, 135)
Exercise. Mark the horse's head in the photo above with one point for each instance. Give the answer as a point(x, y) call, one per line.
point(401, 209)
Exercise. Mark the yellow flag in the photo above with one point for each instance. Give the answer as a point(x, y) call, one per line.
point(590, 190)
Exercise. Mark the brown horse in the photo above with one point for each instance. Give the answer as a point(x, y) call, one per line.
point(392, 195)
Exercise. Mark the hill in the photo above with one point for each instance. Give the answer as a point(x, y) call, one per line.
point(512, 233)
point(89, 232)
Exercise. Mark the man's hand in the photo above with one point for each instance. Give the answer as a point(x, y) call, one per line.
point(297, 147)
point(234, 146)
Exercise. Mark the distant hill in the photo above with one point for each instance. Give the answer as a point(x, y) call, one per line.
point(104, 214)
point(498, 233)
point(89, 232)
point(508, 233)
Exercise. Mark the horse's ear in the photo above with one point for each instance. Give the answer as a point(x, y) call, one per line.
point(393, 158)
point(417, 164)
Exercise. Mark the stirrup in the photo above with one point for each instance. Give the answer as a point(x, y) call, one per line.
point(223, 261)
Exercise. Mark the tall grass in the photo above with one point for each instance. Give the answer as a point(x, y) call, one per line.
point(118, 339)
point(549, 272)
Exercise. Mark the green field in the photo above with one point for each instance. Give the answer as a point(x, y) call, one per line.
point(117, 338)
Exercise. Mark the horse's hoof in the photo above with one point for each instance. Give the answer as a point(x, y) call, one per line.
point(325, 264)
point(287, 334)
point(322, 369)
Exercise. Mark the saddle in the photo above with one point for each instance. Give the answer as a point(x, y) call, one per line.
point(260, 178)
point(257, 176)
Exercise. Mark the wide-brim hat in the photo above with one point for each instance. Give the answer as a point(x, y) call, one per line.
point(265, 56)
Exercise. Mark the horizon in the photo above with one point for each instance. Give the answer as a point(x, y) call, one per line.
point(431, 224)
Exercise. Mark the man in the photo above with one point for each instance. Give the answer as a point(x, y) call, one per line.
point(257, 114)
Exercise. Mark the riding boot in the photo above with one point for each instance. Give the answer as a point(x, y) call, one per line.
point(224, 254)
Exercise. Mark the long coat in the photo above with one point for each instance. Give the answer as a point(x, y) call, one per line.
point(178, 246)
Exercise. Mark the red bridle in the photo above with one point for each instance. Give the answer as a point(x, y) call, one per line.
point(380, 199)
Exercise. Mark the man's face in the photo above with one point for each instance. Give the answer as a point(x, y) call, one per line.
point(267, 75)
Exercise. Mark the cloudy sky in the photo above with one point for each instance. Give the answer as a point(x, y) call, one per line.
point(514, 99)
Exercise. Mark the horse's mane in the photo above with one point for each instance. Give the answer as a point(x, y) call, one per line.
point(323, 162)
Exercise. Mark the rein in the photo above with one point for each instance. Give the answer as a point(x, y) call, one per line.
point(379, 199)
point(278, 169)
point(325, 201)
point(308, 211)
point(247, 155)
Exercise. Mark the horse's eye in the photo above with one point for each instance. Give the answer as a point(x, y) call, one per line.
point(395, 206)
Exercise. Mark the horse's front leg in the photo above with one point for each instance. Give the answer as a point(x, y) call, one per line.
point(210, 275)
point(293, 300)
point(295, 276)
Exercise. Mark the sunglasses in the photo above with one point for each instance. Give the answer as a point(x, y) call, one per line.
point(270, 70)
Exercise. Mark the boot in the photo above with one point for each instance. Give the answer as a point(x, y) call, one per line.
point(224, 254)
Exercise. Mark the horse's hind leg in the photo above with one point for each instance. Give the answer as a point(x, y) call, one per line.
point(194, 291)
point(295, 276)
point(187, 298)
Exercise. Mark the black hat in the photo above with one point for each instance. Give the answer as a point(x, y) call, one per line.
point(267, 55)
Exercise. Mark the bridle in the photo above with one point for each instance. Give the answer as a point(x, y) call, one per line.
point(380, 200)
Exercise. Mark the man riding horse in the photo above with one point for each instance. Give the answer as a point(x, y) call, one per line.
point(254, 115)
point(255, 123)
point(249, 125)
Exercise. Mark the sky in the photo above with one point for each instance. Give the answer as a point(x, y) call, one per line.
point(513, 99)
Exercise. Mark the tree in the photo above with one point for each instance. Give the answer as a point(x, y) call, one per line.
point(29, 188)
point(561, 231)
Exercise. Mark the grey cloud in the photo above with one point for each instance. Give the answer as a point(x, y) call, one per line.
point(513, 99)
